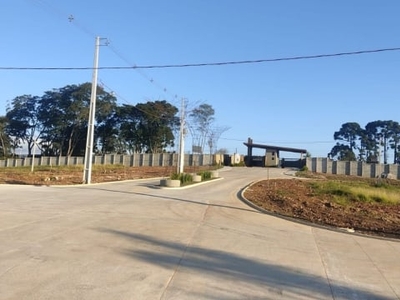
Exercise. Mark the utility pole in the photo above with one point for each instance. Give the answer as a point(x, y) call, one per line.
point(181, 155)
point(87, 173)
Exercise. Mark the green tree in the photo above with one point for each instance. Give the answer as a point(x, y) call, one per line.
point(128, 123)
point(380, 134)
point(155, 126)
point(23, 124)
point(108, 135)
point(5, 141)
point(64, 114)
point(342, 152)
point(147, 127)
point(395, 141)
point(350, 133)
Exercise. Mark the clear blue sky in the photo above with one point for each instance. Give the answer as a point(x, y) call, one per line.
point(291, 103)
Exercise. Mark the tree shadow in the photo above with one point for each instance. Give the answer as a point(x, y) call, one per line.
point(163, 197)
point(255, 274)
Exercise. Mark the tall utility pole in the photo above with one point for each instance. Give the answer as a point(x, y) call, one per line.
point(181, 155)
point(87, 173)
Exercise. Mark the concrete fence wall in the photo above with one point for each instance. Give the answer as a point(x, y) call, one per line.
point(134, 160)
point(354, 168)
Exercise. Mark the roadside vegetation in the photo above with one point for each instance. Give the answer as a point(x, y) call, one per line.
point(348, 192)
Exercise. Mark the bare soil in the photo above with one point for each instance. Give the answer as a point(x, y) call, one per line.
point(295, 198)
point(286, 197)
point(69, 176)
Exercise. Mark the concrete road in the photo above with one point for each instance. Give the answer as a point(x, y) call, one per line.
point(131, 240)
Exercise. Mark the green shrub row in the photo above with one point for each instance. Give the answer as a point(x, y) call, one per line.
point(186, 178)
point(205, 175)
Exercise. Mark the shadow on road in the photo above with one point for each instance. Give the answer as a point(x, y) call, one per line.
point(178, 199)
point(274, 279)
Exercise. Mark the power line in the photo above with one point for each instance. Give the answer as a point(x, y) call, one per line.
point(306, 57)
point(75, 21)
point(279, 142)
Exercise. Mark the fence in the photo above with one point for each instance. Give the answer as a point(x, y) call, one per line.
point(354, 168)
point(134, 160)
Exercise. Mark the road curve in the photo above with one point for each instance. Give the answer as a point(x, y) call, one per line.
point(134, 240)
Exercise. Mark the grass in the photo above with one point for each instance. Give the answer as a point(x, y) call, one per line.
point(356, 191)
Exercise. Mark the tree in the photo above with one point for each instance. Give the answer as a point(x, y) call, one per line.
point(127, 121)
point(108, 135)
point(24, 125)
point(380, 134)
point(349, 133)
point(5, 141)
point(64, 114)
point(148, 127)
point(156, 121)
point(200, 121)
point(395, 142)
point(342, 152)
point(215, 134)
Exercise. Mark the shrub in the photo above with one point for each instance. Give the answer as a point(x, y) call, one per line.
point(304, 169)
point(186, 178)
point(175, 176)
point(205, 175)
point(183, 177)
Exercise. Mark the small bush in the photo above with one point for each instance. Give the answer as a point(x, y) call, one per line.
point(205, 175)
point(186, 178)
point(183, 177)
point(304, 169)
point(175, 176)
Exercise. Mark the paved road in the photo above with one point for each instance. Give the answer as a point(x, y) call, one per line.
point(130, 240)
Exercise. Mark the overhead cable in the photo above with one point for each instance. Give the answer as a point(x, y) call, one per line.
point(209, 64)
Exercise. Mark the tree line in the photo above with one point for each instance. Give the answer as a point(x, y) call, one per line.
point(368, 144)
point(57, 123)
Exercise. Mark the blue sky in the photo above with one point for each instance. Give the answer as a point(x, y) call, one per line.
point(290, 103)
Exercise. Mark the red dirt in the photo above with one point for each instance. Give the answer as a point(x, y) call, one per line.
point(295, 198)
point(66, 176)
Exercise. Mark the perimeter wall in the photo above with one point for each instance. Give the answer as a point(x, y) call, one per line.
point(354, 168)
point(134, 160)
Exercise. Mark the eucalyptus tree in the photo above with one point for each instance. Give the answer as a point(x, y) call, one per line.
point(200, 123)
point(5, 141)
point(213, 137)
point(23, 124)
point(148, 127)
point(156, 122)
point(127, 117)
point(108, 135)
point(64, 114)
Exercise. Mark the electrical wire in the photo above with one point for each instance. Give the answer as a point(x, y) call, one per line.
point(103, 85)
point(45, 5)
point(278, 142)
point(306, 57)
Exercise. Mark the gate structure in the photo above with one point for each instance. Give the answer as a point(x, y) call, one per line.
point(272, 156)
